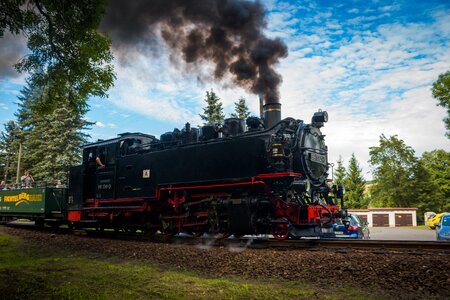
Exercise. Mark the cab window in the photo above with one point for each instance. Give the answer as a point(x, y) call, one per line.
point(107, 154)
point(130, 146)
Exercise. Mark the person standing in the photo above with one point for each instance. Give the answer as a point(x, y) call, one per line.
point(101, 157)
point(27, 179)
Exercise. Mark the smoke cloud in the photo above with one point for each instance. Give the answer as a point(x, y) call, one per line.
point(226, 33)
point(12, 49)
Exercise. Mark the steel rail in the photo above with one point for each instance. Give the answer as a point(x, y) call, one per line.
point(264, 243)
point(260, 243)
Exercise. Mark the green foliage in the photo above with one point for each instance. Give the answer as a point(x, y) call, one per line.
point(68, 58)
point(13, 16)
point(339, 173)
point(403, 180)
point(10, 139)
point(436, 165)
point(213, 113)
point(441, 91)
point(354, 185)
point(69, 62)
point(51, 143)
point(241, 109)
point(394, 173)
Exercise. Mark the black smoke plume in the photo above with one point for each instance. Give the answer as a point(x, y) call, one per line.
point(227, 33)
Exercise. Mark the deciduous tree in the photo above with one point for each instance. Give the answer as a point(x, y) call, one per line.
point(437, 166)
point(394, 171)
point(441, 91)
point(68, 56)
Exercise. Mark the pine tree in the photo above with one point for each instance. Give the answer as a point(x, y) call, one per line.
point(354, 184)
point(339, 174)
point(27, 118)
point(51, 143)
point(241, 109)
point(10, 140)
point(59, 146)
point(213, 113)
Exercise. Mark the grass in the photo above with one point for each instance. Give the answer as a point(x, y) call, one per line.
point(27, 275)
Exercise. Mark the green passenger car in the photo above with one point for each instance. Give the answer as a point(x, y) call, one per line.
point(43, 205)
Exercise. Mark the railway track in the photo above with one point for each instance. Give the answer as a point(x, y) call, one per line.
point(267, 243)
point(259, 242)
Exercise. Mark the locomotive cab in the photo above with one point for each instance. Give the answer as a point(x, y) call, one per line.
point(102, 161)
point(99, 161)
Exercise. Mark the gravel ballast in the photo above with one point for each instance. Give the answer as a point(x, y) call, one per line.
point(404, 275)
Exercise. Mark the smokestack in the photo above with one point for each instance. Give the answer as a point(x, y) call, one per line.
point(225, 34)
point(272, 112)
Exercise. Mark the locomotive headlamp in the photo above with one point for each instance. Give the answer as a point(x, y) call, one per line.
point(301, 185)
point(320, 117)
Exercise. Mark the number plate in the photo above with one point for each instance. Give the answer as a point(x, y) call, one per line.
point(339, 232)
point(318, 158)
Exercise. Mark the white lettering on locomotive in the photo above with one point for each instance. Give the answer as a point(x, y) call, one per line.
point(321, 159)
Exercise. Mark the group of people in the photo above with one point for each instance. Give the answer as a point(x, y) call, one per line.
point(26, 181)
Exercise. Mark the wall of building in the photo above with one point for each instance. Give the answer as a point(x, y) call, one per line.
point(391, 212)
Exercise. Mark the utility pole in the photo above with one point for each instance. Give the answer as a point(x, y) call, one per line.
point(6, 169)
point(332, 173)
point(18, 163)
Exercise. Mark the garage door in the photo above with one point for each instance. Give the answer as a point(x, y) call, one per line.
point(403, 220)
point(380, 220)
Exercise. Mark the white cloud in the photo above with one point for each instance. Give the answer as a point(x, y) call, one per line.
point(374, 82)
point(372, 79)
point(106, 125)
point(393, 7)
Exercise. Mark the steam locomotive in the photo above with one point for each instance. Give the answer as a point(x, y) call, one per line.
point(268, 177)
point(262, 176)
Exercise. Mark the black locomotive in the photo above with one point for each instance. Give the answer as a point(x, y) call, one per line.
point(268, 178)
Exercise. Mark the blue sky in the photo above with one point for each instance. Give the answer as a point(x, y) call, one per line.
point(369, 64)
